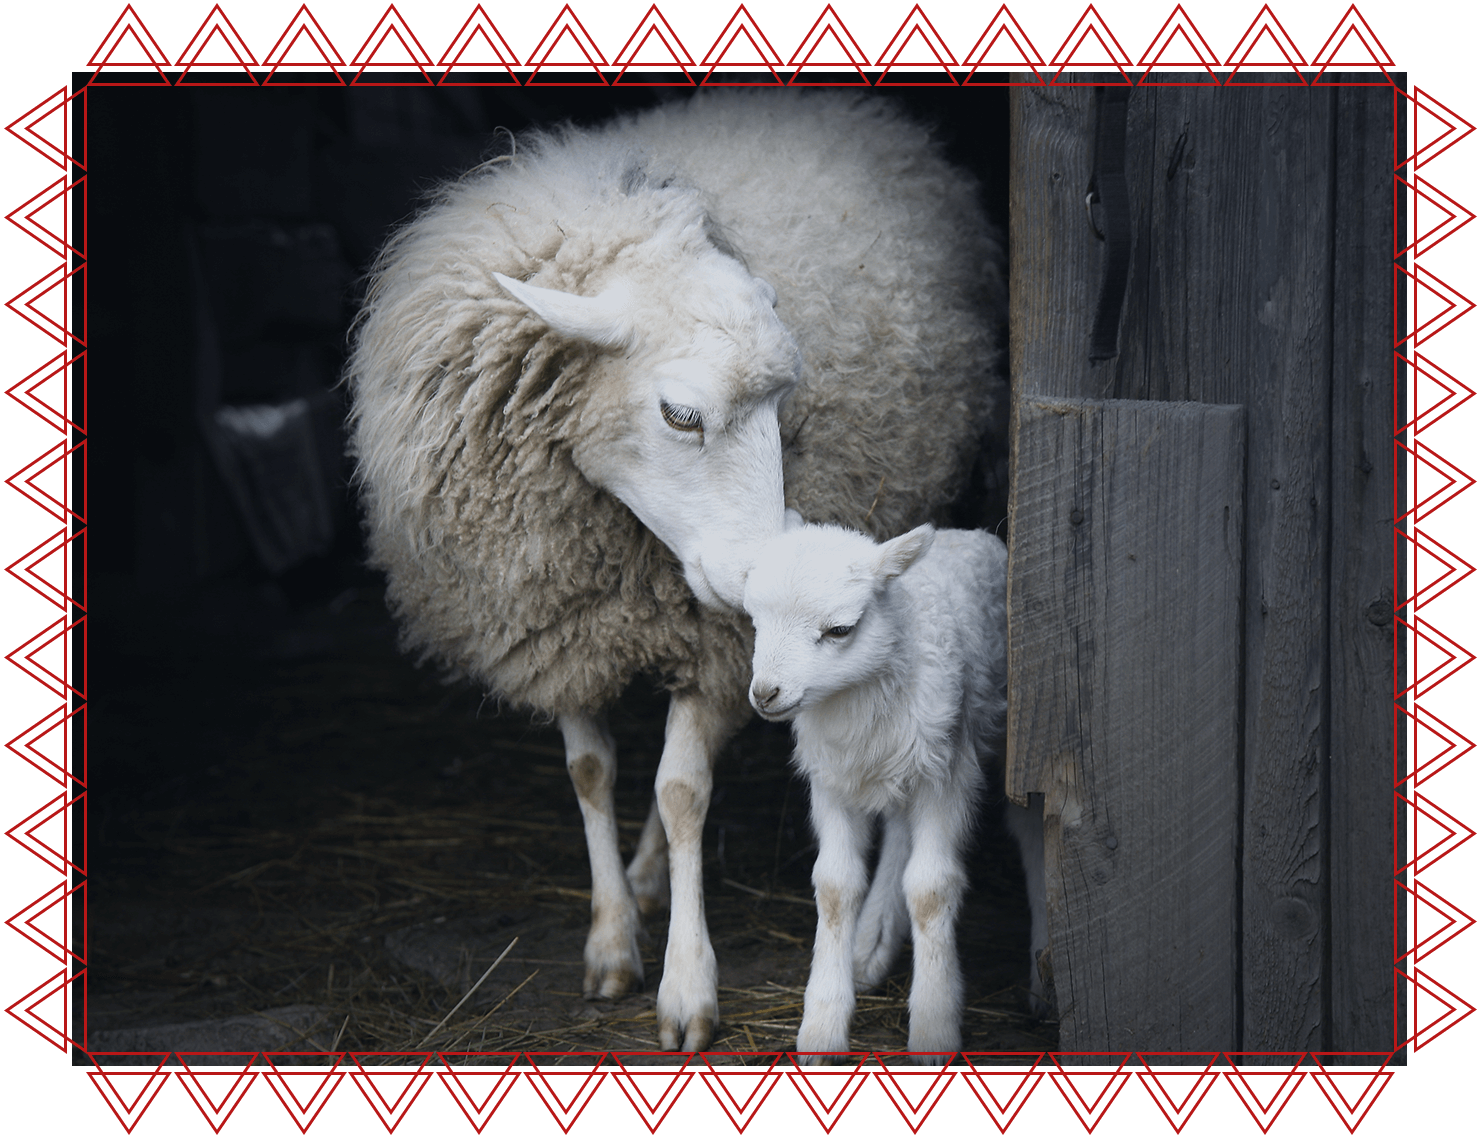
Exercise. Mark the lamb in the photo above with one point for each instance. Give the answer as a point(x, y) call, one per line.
point(588, 378)
point(890, 661)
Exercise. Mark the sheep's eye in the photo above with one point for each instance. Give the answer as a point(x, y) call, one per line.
point(838, 632)
point(680, 418)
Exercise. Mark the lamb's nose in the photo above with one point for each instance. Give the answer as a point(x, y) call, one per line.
point(763, 695)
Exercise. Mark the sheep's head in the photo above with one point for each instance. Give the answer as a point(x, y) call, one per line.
point(680, 413)
point(818, 597)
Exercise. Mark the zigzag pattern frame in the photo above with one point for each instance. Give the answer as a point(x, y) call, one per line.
point(45, 521)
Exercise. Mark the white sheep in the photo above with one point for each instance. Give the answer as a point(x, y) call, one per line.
point(890, 661)
point(568, 382)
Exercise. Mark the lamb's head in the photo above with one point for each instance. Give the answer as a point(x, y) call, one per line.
point(680, 415)
point(819, 597)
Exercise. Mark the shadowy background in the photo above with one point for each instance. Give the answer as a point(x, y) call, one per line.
point(298, 841)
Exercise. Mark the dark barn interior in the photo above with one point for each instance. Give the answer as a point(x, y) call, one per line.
point(297, 840)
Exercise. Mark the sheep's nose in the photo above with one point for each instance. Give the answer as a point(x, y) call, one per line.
point(763, 695)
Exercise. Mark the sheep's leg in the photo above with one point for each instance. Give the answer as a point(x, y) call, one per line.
point(647, 872)
point(1026, 824)
point(688, 1000)
point(882, 924)
point(934, 884)
point(840, 877)
point(613, 962)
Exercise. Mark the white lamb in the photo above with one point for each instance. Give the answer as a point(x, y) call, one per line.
point(891, 663)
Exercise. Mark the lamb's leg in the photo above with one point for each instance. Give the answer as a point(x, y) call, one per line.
point(688, 1001)
point(1026, 824)
point(840, 876)
point(934, 884)
point(613, 963)
point(882, 924)
point(647, 872)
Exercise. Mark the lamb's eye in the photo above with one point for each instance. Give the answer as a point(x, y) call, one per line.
point(681, 418)
point(838, 632)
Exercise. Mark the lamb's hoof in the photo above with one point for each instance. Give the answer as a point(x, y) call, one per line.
point(934, 1051)
point(818, 1047)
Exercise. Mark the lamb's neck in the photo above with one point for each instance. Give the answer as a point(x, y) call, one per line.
point(872, 704)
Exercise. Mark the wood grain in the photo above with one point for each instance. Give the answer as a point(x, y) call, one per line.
point(1258, 278)
point(1128, 601)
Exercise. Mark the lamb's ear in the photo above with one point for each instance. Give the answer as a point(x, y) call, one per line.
point(603, 320)
point(898, 554)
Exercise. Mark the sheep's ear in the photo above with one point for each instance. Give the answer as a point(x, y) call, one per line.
point(792, 520)
point(898, 554)
point(603, 320)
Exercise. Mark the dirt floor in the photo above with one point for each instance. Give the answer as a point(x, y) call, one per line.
point(299, 842)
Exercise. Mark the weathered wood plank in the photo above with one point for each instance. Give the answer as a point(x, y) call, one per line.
point(1222, 180)
point(1230, 298)
point(1361, 778)
point(1053, 257)
point(1269, 160)
point(1125, 570)
point(1244, 288)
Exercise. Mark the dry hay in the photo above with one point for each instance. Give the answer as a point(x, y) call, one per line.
point(399, 837)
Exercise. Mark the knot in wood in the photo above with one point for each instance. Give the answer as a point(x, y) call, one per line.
point(1292, 918)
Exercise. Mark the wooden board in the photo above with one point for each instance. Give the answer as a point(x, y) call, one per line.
point(1362, 1016)
point(1124, 609)
point(1258, 277)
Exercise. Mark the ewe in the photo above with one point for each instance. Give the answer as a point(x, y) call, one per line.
point(568, 383)
point(890, 661)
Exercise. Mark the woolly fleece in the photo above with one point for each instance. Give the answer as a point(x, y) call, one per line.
point(504, 563)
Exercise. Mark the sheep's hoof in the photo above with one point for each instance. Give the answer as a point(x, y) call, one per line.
point(697, 1036)
point(610, 983)
point(651, 904)
point(687, 1014)
point(612, 970)
point(648, 878)
point(688, 1001)
point(818, 1047)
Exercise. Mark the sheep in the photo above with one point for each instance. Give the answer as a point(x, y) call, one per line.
point(589, 376)
point(890, 662)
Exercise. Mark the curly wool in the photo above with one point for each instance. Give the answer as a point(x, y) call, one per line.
point(504, 563)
